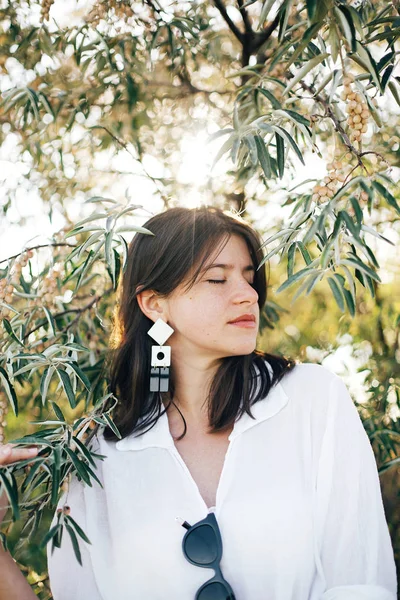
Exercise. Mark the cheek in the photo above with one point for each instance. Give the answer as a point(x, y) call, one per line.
point(198, 313)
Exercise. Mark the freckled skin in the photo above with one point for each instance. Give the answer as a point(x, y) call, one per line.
point(200, 317)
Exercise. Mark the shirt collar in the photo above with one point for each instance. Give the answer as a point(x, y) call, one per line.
point(159, 436)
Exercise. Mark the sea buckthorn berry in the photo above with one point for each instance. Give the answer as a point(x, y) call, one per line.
point(356, 109)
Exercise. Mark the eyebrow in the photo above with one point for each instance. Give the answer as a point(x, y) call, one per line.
point(230, 267)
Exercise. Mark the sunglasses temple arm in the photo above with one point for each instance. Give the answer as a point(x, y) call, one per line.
point(184, 524)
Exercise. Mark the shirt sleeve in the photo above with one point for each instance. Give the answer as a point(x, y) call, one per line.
point(354, 546)
point(68, 579)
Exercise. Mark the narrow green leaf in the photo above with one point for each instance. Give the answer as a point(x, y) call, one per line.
point(395, 93)
point(309, 34)
point(305, 69)
point(45, 382)
point(66, 384)
point(296, 277)
point(11, 491)
point(11, 332)
point(297, 117)
point(251, 144)
point(313, 280)
point(9, 389)
point(283, 133)
point(357, 210)
point(79, 466)
point(291, 256)
point(49, 535)
point(218, 134)
point(112, 425)
point(311, 9)
point(337, 293)
point(267, 5)
point(74, 541)
point(274, 101)
point(358, 264)
point(391, 200)
point(50, 319)
point(304, 252)
point(263, 156)
point(364, 54)
point(92, 239)
point(55, 484)
point(80, 374)
point(58, 412)
point(32, 473)
point(345, 21)
point(84, 451)
point(280, 154)
point(78, 529)
point(350, 302)
point(226, 147)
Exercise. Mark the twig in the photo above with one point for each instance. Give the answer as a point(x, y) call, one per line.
point(36, 248)
point(125, 147)
point(260, 38)
point(79, 311)
point(329, 112)
point(235, 30)
point(245, 17)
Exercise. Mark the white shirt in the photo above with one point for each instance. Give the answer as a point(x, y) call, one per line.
point(298, 504)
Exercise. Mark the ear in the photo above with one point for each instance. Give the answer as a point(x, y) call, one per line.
point(152, 305)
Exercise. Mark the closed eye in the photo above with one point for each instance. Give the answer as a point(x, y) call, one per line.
point(224, 281)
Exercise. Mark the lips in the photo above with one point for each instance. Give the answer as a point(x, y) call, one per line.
point(244, 318)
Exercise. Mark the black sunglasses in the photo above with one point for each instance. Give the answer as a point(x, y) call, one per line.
point(202, 546)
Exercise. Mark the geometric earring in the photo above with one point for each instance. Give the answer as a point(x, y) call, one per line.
point(160, 356)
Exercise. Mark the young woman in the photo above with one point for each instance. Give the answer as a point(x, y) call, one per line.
point(263, 461)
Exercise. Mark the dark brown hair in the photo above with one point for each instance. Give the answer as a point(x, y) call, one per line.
point(184, 239)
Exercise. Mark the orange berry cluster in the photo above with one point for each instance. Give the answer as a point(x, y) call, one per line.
point(99, 10)
point(45, 9)
point(331, 182)
point(7, 285)
point(46, 292)
point(3, 416)
point(121, 8)
point(356, 108)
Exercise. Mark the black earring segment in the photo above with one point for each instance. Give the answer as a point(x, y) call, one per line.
point(160, 356)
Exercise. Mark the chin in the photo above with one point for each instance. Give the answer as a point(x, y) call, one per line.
point(243, 349)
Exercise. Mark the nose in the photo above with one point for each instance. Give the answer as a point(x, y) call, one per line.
point(245, 293)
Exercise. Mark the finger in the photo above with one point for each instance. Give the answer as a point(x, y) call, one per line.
point(9, 454)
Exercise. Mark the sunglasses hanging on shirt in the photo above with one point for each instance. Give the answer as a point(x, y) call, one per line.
point(202, 546)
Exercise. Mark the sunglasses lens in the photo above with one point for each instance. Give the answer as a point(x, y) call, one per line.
point(201, 547)
point(214, 591)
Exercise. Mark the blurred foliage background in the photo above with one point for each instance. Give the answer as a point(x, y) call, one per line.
point(284, 111)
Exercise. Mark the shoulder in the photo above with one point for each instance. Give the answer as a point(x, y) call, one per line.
point(308, 375)
point(311, 385)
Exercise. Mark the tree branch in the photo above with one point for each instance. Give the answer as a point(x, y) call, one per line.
point(260, 38)
point(235, 30)
point(245, 17)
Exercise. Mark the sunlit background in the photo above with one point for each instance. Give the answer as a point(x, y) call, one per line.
point(28, 222)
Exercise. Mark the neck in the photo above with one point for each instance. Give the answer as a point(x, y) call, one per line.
point(192, 383)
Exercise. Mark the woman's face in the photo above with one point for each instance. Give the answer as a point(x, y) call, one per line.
point(201, 316)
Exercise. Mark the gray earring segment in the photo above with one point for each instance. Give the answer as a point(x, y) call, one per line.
point(159, 379)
